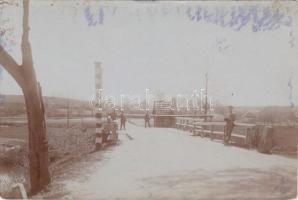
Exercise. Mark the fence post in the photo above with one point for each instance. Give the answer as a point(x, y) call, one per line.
point(266, 141)
point(211, 132)
point(248, 139)
point(194, 129)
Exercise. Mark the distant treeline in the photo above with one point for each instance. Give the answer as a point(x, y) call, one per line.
point(269, 115)
point(13, 106)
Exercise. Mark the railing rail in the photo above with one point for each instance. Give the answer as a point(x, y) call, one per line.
point(215, 129)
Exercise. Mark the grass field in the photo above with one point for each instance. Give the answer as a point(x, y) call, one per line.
point(63, 143)
point(12, 132)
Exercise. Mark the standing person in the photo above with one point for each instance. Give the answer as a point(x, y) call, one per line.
point(113, 115)
point(122, 120)
point(230, 123)
point(147, 119)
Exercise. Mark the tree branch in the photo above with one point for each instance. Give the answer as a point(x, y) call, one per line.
point(2, 2)
point(26, 47)
point(11, 66)
point(28, 71)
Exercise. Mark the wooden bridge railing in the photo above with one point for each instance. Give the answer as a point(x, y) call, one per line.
point(243, 134)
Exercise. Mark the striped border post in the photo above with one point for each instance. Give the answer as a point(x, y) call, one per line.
point(98, 106)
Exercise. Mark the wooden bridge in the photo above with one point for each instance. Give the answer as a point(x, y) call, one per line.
point(244, 134)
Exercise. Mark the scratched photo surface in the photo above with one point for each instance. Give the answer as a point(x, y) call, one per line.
point(148, 99)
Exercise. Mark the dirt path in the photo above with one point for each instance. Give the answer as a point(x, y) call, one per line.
point(170, 164)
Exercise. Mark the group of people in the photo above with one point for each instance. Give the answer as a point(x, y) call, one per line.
point(122, 117)
point(230, 122)
point(113, 116)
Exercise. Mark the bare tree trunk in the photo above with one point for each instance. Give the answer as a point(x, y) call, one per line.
point(38, 148)
point(25, 76)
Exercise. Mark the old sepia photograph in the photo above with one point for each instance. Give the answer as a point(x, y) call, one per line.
point(158, 100)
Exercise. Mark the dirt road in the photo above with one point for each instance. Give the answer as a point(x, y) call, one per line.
point(170, 164)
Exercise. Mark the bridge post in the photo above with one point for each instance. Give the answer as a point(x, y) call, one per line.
point(248, 139)
point(266, 140)
point(98, 106)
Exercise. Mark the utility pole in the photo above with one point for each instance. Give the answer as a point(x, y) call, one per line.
point(121, 102)
point(67, 112)
point(201, 100)
point(206, 96)
point(147, 100)
point(81, 115)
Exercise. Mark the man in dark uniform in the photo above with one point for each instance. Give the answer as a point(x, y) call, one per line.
point(230, 123)
point(122, 120)
point(147, 119)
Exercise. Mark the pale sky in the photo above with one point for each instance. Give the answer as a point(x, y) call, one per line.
point(164, 46)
